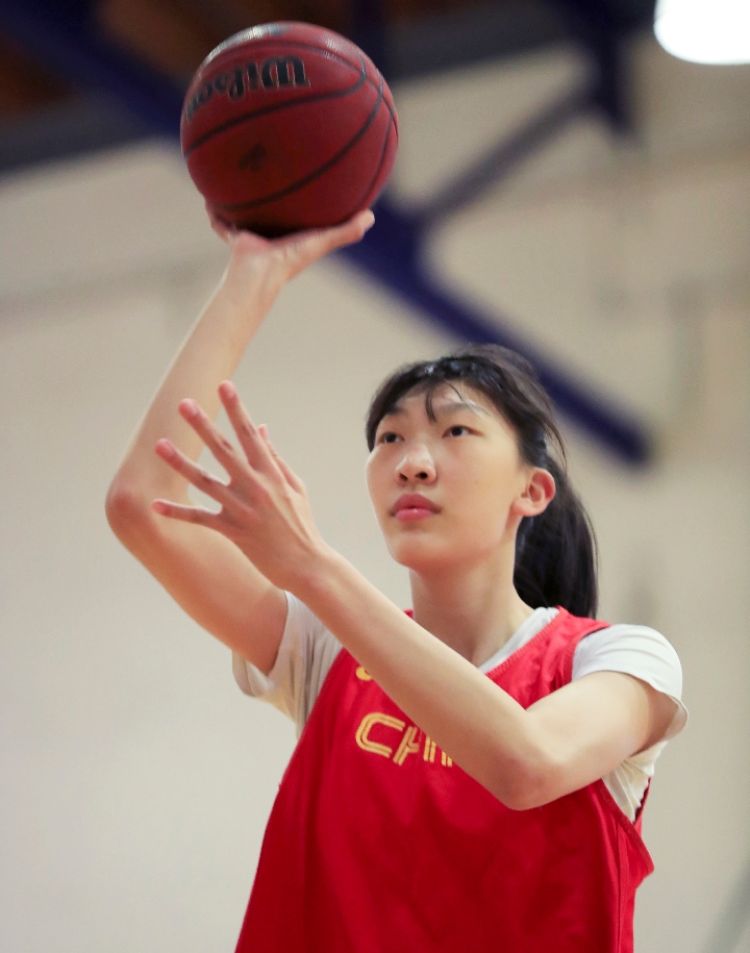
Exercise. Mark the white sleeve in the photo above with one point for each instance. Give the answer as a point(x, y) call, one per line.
point(306, 652)
point(639, 651)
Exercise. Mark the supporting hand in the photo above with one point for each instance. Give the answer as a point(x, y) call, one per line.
point(276, 261)
point(264, 508)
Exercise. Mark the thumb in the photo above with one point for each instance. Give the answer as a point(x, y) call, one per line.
point(308, 246)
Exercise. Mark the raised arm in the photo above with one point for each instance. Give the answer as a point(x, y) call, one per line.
point(525, 757)
point(206, 573)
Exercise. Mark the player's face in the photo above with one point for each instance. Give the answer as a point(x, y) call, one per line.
point(445, 491)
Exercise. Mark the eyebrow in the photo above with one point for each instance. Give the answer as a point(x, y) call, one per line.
point(442, 410)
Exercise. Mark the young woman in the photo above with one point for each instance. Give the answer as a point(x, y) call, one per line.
point(471, 774)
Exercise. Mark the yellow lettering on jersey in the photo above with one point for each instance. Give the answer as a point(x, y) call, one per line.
point(368, 722)
point(408, 745)
point(430, 749)
point(363, 674)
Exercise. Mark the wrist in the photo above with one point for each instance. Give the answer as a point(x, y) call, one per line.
point(317, 579)
point(249, 287)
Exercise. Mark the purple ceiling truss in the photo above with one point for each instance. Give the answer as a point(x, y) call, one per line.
point(62, 35)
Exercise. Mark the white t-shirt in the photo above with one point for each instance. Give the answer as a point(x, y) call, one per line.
point(307, 651)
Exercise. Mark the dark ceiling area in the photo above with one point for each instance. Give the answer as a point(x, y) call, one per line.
point(82, 75)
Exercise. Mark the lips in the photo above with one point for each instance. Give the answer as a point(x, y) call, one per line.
point(414, 504)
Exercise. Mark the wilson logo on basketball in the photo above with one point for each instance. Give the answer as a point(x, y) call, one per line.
point(277, 72)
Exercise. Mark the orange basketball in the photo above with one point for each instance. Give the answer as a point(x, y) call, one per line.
point(288, 126)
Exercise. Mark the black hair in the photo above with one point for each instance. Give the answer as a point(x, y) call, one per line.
point(556, 560)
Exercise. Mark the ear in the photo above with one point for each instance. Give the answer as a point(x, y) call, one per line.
point(537, 494)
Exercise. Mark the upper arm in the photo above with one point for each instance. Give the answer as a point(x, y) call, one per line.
point(583, 731)
point(209, 577)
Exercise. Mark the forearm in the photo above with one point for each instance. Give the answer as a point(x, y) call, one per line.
point(209, 354)
point(481, 727)
point(257, 270)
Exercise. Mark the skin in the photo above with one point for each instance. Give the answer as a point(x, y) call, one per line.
point(466, 461)
point(525, 757)
point(233, 565)
point(205, 573)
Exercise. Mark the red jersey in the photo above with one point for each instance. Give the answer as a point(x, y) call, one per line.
point(379, 843)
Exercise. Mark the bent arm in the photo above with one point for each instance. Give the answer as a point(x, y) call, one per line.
point(203, 572)
point(206, 573)
point(524, 757)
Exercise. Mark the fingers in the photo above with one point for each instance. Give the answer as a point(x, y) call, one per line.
point(261, 458)
point(289, 475)
point(217, 443)
point(255, 440)
point(347, 234)
point(222, 228)
point(247, 433)
point(304, 248)
point(186, 514)
point(333, 236)
point(351, 231)
point(194, 474)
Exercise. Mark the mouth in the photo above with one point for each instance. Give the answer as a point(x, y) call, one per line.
point(414, 507)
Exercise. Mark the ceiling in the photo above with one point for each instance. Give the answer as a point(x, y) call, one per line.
point(81, 75)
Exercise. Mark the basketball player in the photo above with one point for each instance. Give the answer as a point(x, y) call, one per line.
point(470, 775)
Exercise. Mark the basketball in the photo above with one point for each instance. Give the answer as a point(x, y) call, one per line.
point(288, 126)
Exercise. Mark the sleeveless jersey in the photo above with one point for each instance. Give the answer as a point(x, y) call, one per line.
point(379, 843)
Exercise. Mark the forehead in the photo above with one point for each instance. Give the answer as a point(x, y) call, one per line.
point(444, 398)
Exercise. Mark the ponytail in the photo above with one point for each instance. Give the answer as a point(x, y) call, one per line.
point(556, 553)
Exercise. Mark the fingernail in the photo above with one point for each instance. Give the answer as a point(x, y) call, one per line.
point(189, 406)
point(369, 222)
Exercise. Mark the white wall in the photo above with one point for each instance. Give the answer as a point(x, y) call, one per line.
point(137, 777)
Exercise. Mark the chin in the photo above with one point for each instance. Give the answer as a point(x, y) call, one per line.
point(422, 555)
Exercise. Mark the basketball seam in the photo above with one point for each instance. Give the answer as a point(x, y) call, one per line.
point(383, 152)
point(245, 117)
point(311, 176)
point(300, 44)
point(362, 77)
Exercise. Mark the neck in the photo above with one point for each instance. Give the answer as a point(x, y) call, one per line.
point(474, 611)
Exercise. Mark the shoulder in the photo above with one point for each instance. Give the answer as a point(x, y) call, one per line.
point(639, 651)
point(306, 653)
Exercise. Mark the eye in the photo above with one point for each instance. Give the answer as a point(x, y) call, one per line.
point(388, 436)
point(457, 430)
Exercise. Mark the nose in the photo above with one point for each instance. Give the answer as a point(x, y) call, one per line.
point(416, 466)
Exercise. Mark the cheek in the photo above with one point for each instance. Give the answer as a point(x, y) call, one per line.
point(374, 479)
point(484, 471)
point(488, 494)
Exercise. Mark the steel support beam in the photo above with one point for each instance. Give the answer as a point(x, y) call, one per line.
point(64, 38)
point(391, 255)
point(62, 35)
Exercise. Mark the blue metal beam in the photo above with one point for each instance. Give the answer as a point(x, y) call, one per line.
point(64, 39)
point(600, 29)
point(502, 158)
point(62, 35)
point(391, 255)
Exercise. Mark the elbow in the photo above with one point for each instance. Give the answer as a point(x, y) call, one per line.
point(127, 511)
point(523, 799)
point(528, 783)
